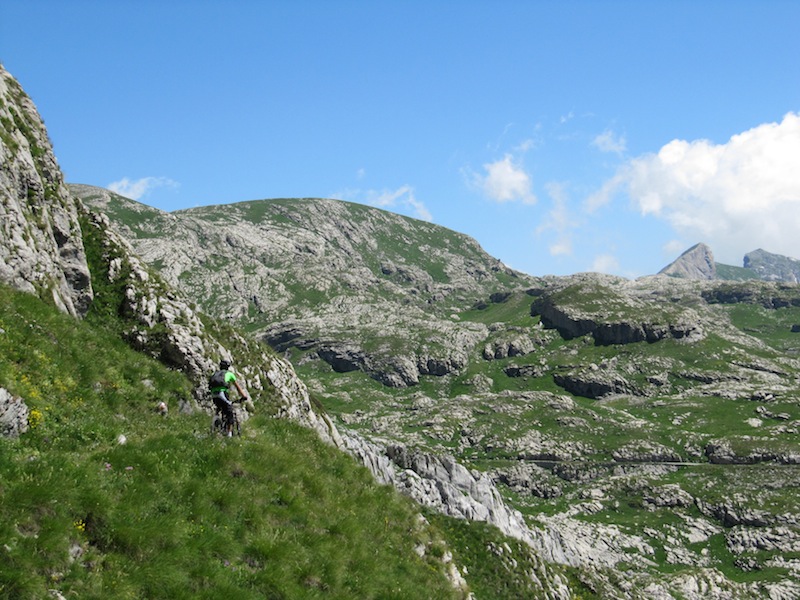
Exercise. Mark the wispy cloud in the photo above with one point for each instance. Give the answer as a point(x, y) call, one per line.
point(505, 181)
point(608, 141)
point(605, 263)
point(403, 198)
point(736, 197)
point(136, 189)
point(674, 247)
point(558, 220)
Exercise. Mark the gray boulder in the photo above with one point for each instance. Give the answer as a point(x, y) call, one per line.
point(13, 415)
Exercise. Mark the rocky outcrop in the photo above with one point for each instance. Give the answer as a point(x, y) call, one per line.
point(722, 452)
point(696, 263)
point(13, 415)
point(591, 383)
point(571, 324)
point(645, 452)
point(613, 311)
point(40, 239)
point(395, 348)
point(508, 345)
point(442, 484)
point(769, 295)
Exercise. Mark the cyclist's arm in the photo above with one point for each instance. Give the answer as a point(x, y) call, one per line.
point(239, 389)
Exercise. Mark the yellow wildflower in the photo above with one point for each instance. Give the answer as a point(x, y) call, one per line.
point(35, 418)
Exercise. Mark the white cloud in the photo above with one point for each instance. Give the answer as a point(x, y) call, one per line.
point(608, 141)
point(526, 145)
point(605, 263)
point(561, 247)
point(559, 220)
point(505, 181)
point(674, 248)
point(735, 197)
point(136, 189)
point(401, 198)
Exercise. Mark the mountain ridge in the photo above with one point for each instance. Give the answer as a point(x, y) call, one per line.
point(318, 273)
point(698, 263)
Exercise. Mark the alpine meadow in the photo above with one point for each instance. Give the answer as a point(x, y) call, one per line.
point(425, 422)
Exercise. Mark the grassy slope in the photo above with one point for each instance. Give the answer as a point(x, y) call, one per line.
point(173, 513)
point(733, 273)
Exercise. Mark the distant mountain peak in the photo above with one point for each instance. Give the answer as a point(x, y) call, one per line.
point(773, 267)
point(695, 263)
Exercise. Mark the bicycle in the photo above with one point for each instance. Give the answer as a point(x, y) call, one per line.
point(219, 423)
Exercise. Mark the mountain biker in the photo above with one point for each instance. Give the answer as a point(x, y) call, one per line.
point(219, 384)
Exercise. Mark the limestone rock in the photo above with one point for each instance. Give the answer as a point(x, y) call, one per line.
point(591, 383)
point(772, 267)
point(696, 263)
point(613, 311)
point(41, 249)
point(13, 415)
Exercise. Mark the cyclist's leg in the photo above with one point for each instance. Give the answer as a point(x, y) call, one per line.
point(220, 418)
point(227, 411)
point(236, 429)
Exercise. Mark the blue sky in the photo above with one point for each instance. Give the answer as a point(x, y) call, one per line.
point(564, 136)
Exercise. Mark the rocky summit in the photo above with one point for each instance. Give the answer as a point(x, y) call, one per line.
point(696, 263)
point(772, 267)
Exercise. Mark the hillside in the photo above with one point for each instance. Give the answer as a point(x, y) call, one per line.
point(103, 497)
point(645, 427)
point(365, 289)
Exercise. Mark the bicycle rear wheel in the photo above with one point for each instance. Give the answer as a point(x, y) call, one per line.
point(236, 429)
point(217, 424)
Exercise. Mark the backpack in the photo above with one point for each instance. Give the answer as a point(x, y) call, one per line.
point(218, 380)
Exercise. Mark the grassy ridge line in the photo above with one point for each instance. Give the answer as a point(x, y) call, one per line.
point(172, 513)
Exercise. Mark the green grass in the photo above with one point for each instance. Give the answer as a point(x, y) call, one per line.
point(172, 512)
point(730, 272)
point(773, 326)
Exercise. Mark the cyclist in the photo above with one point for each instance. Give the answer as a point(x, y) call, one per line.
point(219, 384)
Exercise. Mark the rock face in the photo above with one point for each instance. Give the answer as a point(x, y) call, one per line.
point(40, 238)
point(696, 263)
point(772, 267)
point(604, 308)
point(441, 483)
